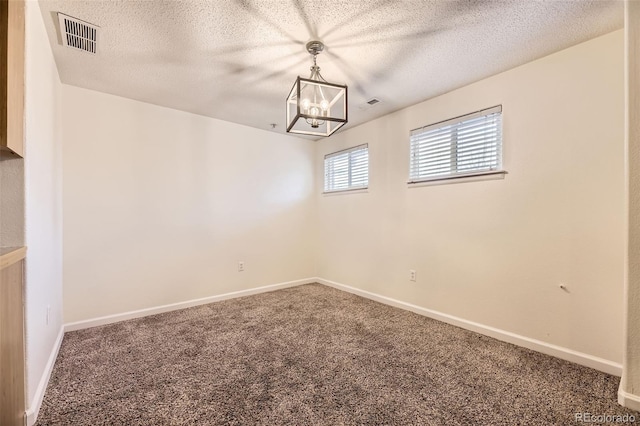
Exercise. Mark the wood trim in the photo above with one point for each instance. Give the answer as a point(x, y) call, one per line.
point(629, 391)
point(11, 255)
point(12, 371)
point(12, 43)
point(4, 44)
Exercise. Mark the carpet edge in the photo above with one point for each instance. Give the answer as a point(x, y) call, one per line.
point(109, 319)
point(561, 352)
point(587, 360)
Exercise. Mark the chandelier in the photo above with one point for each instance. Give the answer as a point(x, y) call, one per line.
point(315, 106)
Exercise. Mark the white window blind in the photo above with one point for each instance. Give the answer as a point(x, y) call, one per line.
point(464, 146)
point(348, 169)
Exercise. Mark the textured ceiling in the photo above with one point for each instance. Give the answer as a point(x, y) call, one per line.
point(236, 60)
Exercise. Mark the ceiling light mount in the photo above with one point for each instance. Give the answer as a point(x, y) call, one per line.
point(315, 106)
point(314, 47)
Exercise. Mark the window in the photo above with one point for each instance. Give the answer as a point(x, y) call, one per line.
point(348, 169)
point(464, 146)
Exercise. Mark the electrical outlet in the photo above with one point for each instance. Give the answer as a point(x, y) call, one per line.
point(412, 275)
point(48, 313)
point(240, 266)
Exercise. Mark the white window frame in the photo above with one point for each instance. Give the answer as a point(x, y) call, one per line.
point(437, 153)
point(351, 156)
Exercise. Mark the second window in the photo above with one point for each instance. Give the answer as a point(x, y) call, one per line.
point(347, 169)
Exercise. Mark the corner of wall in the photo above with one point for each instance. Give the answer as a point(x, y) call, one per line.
point(31, 414)
point(43, 197)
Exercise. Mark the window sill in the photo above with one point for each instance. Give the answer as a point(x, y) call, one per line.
point(459, 179)
point(347, 191)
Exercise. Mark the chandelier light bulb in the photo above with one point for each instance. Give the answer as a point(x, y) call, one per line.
point(306, 103)
point(324, 104)
point(314, 111)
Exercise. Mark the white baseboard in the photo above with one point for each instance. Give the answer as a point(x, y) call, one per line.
point(587, 360)
point(109, 319)
point(601, 364)
point(629, 400)
point(31, 415)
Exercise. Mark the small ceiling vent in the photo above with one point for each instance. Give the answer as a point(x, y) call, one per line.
point(370, 104)
point(78, 34)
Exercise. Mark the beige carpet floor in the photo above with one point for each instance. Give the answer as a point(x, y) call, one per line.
point(311, 355)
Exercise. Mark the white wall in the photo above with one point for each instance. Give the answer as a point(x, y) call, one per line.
point(43, 187)
point(494, 252)
point(160, 205)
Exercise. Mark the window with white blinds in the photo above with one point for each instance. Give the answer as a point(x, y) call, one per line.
point(348, 169)
point(464, 146)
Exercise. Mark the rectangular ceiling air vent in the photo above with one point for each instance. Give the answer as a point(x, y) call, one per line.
point(369, 104)
point(78, 34)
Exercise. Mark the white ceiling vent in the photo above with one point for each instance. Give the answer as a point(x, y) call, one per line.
point(370, 104)
point(78, 34)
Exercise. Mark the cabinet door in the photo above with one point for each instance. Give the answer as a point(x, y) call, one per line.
point(12, 76)
point(12, 402)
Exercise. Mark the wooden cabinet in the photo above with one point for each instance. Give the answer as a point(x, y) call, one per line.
point(12, 378)
point(12, 76)
point(12, 352)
